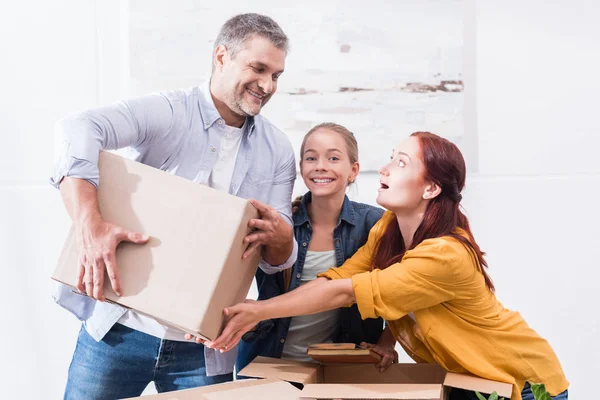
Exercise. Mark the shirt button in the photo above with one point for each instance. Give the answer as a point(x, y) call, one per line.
point(303, 244)
point(213, 149)
point(220, 122)
point(298, 276)
point(282, 340)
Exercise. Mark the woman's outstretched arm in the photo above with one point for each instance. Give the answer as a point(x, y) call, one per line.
point(314, 297)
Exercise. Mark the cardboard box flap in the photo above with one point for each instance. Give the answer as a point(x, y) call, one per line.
point(372, 391)
point(231, 390)
point(290, 371)
point(275, 389)
point(481, 385)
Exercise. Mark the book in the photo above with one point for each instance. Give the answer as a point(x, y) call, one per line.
point(342, 353)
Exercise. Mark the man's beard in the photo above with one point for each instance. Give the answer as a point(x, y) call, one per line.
point(246, 112)
point(237, 106)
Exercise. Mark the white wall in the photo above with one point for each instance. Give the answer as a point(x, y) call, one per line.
point(532, 204)
point(50, 66)
point(378, 62)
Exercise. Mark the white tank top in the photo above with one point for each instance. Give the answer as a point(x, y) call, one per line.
point(315, 328)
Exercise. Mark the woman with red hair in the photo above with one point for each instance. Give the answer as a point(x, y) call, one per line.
point(423, 272)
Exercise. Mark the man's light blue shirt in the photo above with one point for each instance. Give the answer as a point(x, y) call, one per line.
point(173, 131)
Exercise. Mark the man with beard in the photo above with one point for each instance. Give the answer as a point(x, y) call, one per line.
point(211, 134)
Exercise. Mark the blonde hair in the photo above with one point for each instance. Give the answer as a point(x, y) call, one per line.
point(351, 144)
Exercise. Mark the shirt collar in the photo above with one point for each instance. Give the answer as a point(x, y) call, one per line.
point(209, 112)
point(301, 216)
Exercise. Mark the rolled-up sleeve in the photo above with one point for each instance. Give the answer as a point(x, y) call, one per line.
point(425, 277)
point(281, 200)
point(81, 137)
point(273, 269)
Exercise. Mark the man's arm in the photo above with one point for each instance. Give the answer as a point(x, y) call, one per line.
point(97, 239)
point(277, 237)
point(274, 228)
point(83, 136)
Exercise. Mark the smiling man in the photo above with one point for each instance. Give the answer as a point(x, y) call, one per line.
point(211, 134)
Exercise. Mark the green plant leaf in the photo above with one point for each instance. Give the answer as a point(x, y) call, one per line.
point(539, 391)
point(493, 396)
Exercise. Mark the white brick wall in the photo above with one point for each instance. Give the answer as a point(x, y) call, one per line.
point(334, 45)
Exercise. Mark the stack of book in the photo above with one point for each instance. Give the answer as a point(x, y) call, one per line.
point(342, 353)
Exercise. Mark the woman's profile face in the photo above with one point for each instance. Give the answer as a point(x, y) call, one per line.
point(402, 185)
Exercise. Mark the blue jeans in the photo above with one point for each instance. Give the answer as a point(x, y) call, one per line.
point(126, 361)
point(526, 394)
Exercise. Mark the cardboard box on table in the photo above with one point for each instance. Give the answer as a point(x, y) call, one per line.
point(361, 381)
point(192, 266)
point(339, 381)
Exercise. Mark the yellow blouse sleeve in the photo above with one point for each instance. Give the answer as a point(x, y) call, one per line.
point(425, 276)
point(362, 260)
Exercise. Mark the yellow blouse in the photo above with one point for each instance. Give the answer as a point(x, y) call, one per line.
point(439, 309)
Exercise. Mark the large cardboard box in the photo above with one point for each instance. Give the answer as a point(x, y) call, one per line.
point(192, 267)
point(336, 381)
point(356, 381)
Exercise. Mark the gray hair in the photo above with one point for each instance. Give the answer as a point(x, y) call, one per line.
point(238, 29)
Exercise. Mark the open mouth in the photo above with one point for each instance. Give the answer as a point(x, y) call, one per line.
point(383, 186)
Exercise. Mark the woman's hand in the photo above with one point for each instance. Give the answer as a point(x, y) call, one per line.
point(387, 353)
point(225, 311)
point(241, 318)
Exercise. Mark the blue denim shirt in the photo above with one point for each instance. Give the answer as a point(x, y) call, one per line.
point(351, 232)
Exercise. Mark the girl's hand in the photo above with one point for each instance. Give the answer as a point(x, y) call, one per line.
point(388, 354)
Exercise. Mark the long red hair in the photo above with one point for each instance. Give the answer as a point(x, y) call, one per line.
point(445, 166)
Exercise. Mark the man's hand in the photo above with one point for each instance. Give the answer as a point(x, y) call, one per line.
point(197, 339)
point(387, 353)
point(296, 204)
point(97, 245)
point(271, 231)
